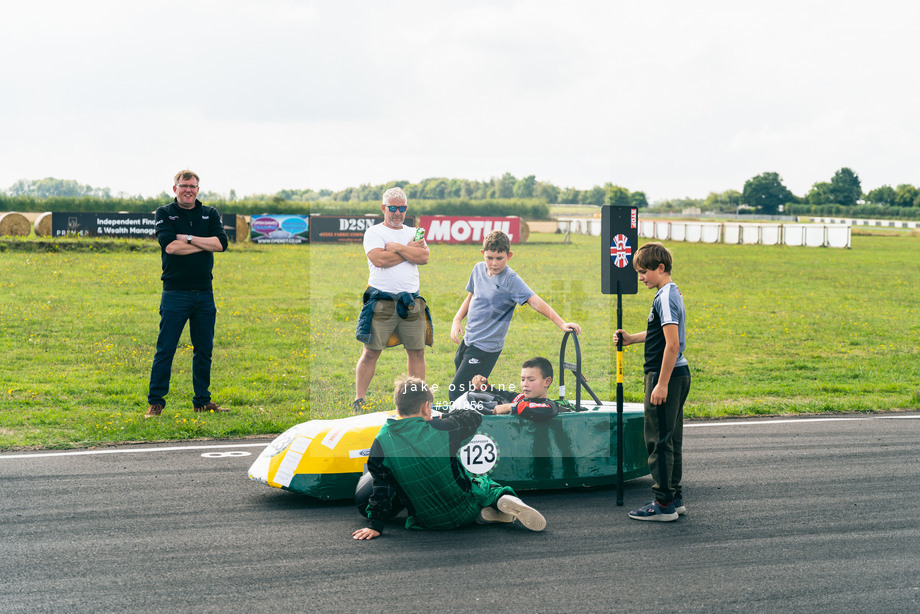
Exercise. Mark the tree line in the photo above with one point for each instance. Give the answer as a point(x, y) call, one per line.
point(764, 193)
point(434, 188)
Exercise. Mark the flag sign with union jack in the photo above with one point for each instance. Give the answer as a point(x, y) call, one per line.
point(620, 251)
point(619, 241)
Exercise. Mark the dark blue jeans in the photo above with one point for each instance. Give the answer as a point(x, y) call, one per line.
point(176, 308)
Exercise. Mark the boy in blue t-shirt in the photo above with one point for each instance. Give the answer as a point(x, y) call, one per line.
point(495, 290)
point(667, 382)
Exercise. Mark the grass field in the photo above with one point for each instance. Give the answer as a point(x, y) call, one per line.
point(770, 330)
point(77, 334)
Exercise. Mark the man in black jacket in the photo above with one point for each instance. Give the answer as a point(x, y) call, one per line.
point(189, 233)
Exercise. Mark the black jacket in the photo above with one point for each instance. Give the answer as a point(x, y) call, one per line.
point(193, 271)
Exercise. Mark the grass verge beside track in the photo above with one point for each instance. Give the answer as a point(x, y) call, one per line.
point(771, 330)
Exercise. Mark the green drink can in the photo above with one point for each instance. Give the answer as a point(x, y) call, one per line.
point(419, 234)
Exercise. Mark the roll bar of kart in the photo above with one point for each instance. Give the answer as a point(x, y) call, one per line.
point(575, 368)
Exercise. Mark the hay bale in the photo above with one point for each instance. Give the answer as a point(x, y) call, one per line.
point(42, 224)
point(525, 231)
point(242, 228)
point(14, 225)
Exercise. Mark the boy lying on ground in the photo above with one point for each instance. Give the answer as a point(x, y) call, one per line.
point(413, 460)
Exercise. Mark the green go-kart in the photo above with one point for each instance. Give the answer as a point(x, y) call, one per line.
point(326, 459)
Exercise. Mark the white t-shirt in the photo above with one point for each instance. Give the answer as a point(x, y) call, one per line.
point(395, 279)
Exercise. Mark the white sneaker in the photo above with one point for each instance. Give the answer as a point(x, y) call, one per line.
point(529, 517)
point(489, 515)
point(679, 506)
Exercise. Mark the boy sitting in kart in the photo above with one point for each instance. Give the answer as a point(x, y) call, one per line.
point(531, 403)
point(414, 458)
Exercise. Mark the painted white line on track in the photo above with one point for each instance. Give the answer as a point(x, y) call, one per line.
point(795, 421)
point(714, 423)
point(230, 454)
point(133, 450)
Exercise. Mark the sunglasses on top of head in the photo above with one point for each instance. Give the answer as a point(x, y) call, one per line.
point(393, 208)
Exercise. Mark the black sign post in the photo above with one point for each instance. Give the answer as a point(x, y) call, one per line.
point(619, 241)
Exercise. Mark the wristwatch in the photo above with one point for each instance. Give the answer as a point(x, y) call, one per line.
point(188, 239)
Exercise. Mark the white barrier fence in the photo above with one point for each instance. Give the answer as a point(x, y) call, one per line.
point(732, 233)
point(876, 223)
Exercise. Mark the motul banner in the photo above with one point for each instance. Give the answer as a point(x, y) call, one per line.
point(463, 229)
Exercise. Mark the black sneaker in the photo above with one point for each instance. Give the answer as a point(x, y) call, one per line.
point(210, 407)
point(656, 512)
point(357, 407)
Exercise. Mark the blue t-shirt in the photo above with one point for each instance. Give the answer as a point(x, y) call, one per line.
point(667, 308)
point(493, 303)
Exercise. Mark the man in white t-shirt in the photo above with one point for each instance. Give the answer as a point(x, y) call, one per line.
point(393, 310)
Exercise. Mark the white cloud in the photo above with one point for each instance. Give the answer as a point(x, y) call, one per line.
point(676, 99)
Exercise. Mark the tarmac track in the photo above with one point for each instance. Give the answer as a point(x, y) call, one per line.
point(801, 515)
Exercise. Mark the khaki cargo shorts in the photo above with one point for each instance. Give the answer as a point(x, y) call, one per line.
point(388, 329)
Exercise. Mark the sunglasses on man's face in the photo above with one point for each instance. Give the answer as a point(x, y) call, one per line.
point(393, 208)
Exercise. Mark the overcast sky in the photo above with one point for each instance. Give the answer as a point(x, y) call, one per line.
point(672, 98)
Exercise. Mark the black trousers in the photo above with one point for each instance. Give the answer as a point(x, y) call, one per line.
point(470, 361)
point(664, 436)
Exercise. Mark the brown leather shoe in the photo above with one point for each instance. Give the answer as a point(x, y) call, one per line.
point(154, 411)
point(211, 407)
